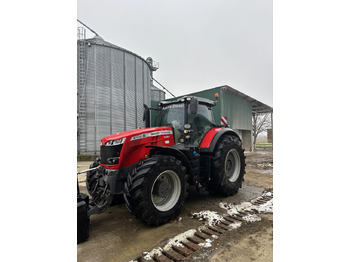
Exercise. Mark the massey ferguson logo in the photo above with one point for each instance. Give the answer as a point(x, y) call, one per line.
point(156, 133)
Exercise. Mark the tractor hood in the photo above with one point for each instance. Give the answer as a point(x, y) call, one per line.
point(137, 134)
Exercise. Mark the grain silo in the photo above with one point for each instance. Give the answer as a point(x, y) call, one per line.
point(157, 94)
point(113, 84)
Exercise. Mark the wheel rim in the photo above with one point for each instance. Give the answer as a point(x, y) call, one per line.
point(232, 165)
point(166, 190)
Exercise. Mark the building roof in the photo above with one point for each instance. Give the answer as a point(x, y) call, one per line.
point(257, 106)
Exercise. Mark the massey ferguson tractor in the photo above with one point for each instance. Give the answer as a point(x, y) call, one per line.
point(151, 168)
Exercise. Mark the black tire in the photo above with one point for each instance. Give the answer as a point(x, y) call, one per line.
point(156, 190)
point(228, 167)
point(98, 189)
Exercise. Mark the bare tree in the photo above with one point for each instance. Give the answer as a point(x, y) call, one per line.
point(261, 122)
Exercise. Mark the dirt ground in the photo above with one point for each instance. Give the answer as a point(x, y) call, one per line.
point(116, 235)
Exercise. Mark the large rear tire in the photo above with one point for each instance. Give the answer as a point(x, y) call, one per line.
point(156, 190)
point(228, 167)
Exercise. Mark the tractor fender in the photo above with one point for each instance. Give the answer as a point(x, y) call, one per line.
point(170, 151)
point(212, 137)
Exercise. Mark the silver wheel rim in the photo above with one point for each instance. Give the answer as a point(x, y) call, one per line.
point(232, 165)
point(166, 190)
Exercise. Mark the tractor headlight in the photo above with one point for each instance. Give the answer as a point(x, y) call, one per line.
point(115, 142)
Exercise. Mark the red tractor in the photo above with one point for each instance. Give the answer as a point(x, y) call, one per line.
point(151, 168)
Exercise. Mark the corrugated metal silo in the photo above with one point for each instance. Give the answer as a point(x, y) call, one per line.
point(113, 85)
point(157, 94)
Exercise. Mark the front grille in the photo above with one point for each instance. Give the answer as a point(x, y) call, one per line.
point(108, 152)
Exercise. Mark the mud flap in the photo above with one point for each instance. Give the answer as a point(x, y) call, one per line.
point(83, 219)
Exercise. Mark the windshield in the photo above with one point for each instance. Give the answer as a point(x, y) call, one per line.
point(173, 115)
point(201, 123)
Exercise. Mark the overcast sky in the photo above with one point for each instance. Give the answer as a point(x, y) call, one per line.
point(199, 44)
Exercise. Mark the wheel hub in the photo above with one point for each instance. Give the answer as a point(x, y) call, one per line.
point(161, 189)
point(166, 190)
point(228, 165)
point(232, 165)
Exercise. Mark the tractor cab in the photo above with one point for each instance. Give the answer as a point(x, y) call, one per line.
point(190, 117)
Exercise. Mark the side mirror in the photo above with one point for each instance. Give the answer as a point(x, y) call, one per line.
point(193, 106)
point(146, 115)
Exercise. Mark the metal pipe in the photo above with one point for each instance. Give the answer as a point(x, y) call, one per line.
point(163, 87)
point(87, 170)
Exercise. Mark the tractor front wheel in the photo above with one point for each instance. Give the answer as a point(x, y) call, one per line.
point(156, 190)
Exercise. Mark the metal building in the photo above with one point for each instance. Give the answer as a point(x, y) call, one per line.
point(113, 84)
point(235, 109)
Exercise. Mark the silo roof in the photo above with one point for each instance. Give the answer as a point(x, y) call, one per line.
point(97, 40)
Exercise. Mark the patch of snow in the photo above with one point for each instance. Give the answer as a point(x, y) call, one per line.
point(245, 206)
point(235, 225)
point(147, 257)
point(231, 209)
point(266, 208)
point(206, 244)
point(267, 194)
point(214, 236)
point(212, 217)
point(155, 251)
point(251, 218)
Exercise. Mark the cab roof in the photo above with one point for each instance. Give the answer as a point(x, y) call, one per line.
point(201, 100)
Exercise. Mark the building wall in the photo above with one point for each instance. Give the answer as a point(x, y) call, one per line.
point(237, 110)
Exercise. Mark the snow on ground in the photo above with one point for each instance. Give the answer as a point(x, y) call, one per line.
point(212, 217)
point(206, 244)
point(247, 206)
point(235, 225)
point(267, 207)
point(175, 241)
point(251, 218)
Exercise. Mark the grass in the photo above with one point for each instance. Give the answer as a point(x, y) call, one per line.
point(262, 143)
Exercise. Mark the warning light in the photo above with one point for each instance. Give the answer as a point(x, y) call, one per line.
point(216, 96)
point(209, 178)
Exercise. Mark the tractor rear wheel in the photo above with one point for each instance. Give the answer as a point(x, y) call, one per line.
point(228, 167)
point(156, 190)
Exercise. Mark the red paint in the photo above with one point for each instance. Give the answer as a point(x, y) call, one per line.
point(134, 147)
point(209, 137)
